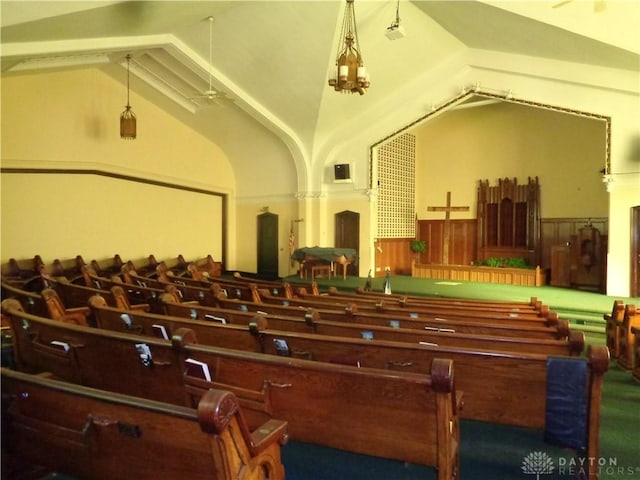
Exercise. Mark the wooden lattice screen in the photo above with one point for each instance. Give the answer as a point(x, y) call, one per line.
point(396, 187)
point(508, 220)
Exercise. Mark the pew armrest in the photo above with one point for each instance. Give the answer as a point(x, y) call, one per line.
point(145, 307)
point(75, 310)
point(267, 434)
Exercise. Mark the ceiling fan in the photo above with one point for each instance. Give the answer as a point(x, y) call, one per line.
point(211, 95)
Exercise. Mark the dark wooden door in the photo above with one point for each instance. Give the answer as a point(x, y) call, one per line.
point(347, 234)
point(268, 245)
point(635, 252)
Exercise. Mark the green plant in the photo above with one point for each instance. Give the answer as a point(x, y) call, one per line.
point(497, 262)
point(418, 246)
point(516, 262)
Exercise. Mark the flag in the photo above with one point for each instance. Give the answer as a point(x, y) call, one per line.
point(367, 286)
point(292, 243)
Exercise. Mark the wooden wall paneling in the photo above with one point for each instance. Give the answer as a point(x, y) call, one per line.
point(462, 250)
point(462, 241)
point(394, 253)
point(559, 231)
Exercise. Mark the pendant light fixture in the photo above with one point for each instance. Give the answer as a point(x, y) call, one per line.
point(128, 118)
point(350, 75)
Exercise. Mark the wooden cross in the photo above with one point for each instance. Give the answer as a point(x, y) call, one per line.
point(447, 225)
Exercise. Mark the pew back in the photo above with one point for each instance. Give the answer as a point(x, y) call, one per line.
point(500, 386)
point(80, 431)
point(220, 334)
point(304, 320)
point(400, 415)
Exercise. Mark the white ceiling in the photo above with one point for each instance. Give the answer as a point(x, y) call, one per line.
point(273, 57)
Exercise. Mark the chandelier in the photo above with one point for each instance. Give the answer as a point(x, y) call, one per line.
point(351, 75)
point(128, 118)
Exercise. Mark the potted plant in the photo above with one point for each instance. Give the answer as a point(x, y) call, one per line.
point(418, 247)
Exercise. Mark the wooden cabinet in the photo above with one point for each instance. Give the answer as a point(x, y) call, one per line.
point(588, 255)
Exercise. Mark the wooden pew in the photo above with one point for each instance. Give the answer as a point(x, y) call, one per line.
point(400, 415)
point(58, 311)
point(331, 302)
point(534, 306)
point(438, 336)
point(305, 320)
point(206, 266)
point(351, 313)
point(614, 319)
point(187, 293)
point(90, 433)
point(238, 337)
point(16, 274)
point(488, 399)
point(631, 318)
point(146, 270)
point(113, 268)
point(636, 353)
point(31, 302)
point(136, 295)
point(72, 295)
point(271, 285)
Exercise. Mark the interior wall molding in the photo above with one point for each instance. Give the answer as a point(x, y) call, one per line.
point(159, 182)
point(118, 176)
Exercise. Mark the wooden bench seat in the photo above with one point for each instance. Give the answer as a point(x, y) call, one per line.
point(312, 301)
point(200, 294)
point(534, 307)
point(631, 318)
point(305, 320)
point(533, 303)
point(573, 346)
point(410, 416)
point(136, 294)
point(113, 267)
point(32, 302)
point(351, 313)
point(90, 433)
point(487, 399)
point(612, 328)
point(635, 371)
point(274, 286)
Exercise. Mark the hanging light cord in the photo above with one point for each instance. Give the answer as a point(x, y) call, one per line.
point(210, 49)
point(397, 13)
point(128, 60)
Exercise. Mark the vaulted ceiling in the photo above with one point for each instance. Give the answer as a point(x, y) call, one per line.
point(272, 58)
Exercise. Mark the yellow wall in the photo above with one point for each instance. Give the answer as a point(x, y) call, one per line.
point(69, 120)
point(565, 152)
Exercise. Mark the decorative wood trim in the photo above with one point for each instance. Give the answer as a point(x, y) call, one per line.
point(508, 276)
point(118, 176)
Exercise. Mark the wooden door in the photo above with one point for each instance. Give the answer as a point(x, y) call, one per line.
point(347, 234)
point(268, 245)
point(560, 266)
point(635, 252)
